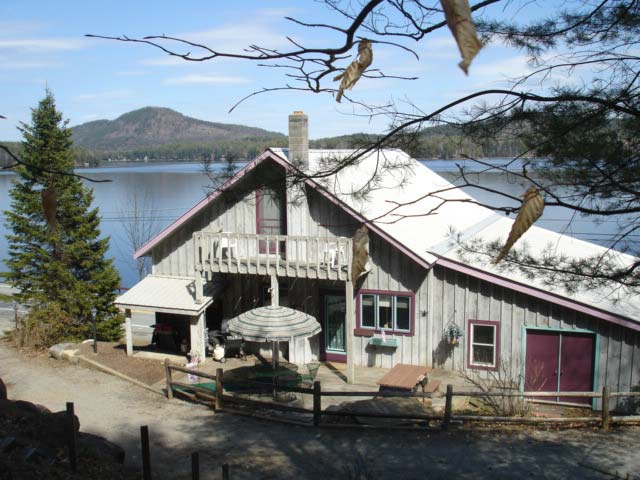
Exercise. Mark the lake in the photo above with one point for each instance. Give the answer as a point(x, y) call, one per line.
point(171, 189)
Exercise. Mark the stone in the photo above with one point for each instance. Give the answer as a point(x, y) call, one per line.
point(100, 448)
point(57, 350)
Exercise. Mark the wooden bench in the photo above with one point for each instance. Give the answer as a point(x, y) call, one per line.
point(405, 377)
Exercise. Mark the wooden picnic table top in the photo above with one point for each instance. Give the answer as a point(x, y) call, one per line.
point(403, 376)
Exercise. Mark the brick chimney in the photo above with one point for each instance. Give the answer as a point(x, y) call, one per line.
point(299, 139)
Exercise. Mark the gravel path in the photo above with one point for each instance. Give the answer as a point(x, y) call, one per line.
point(112, 408)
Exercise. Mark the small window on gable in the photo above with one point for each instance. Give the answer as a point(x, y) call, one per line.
point(483, 344)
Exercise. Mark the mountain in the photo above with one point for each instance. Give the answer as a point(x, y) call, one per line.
point(155, 126)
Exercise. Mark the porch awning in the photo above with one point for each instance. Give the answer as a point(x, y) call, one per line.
point(169, 295)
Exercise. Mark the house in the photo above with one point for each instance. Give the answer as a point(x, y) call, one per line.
point(217, 260)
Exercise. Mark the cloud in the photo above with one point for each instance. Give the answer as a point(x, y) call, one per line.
point(199, 79)
point(276, 12)
point(106, 95)
point(9, 28)
point(22, 64)
point(43, 44)
point(229, 38)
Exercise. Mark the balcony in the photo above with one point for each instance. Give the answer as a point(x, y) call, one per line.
point(324, 258)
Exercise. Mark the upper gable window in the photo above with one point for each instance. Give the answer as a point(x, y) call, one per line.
point(271, 218)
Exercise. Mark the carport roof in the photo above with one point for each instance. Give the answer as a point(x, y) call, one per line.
point(168, 294)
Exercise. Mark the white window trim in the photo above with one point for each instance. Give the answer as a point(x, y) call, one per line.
point(394, 312)
point(473, 344)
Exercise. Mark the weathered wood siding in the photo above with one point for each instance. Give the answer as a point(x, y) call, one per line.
point(394, 271)
point(458, 298)
point(233, 211)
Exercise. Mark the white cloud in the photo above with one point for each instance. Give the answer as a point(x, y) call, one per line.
point(10, 28)
point(166, 61)
point(229, 38)
point(20, 64)
point(106, 95)
point(503, 68)
point(199, 79)
point(43, 44)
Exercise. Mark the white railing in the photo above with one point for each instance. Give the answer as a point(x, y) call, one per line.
point(283, 255)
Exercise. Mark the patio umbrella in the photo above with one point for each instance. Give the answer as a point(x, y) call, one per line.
point(274, 323)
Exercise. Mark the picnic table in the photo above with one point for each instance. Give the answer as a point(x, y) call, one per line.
point(408, 377)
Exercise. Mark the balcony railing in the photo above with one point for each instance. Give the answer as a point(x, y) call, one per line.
point(283, 255)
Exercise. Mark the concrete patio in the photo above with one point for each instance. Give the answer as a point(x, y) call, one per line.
point(332, 377)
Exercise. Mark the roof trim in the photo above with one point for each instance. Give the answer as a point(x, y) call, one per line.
point(178, 311)
point(540, 294)
point(185, 217)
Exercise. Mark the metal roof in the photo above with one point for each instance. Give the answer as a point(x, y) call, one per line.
point(167, 294)
point(419, 209)
point(415, 209)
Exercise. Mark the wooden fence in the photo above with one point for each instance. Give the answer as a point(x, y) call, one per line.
point(221, 401)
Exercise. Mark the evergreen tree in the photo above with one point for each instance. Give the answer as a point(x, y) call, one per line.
point(58, 264)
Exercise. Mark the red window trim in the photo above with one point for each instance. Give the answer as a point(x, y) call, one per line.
point(493, 323)
point(361, 331)
point(259, 219)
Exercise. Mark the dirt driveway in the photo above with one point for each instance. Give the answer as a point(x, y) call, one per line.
point(256, 449)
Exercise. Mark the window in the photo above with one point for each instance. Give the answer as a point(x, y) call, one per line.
point(484, 344)
point(388, 311)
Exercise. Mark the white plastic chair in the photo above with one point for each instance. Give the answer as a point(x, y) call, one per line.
point(229, 243)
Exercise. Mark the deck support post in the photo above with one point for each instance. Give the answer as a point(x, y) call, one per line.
point(196, 331)
point(199, 287)
point(350, 327)
point(275, 301)
point(275, 291)
point(128, 332)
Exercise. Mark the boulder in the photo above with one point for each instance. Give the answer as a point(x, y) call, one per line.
point(100, 448)
point(20, 409)
point(3, 390)
point(52, 428)
point(58, 350)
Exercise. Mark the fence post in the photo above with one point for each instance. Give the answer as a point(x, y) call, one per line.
point(219, 389)
point(146, 456)
point(167, 370)
point(447, 407)
point(195, 466)
point(605, 408)
point(73, 437)
point(317, 404)
point(225, 471)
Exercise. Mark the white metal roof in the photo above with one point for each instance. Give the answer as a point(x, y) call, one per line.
point(400, 207)
point(166, 294)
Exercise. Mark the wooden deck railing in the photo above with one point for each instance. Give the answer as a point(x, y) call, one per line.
point(327, 258)
point(219, 400)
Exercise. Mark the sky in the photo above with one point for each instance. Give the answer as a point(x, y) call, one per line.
point(42, 45)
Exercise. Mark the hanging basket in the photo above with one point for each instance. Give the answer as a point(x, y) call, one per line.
point(454, 334)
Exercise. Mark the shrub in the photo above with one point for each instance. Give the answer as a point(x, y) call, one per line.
point(47, 325)
point(506, 379)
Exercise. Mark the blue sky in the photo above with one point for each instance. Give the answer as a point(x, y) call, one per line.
point(42, 44)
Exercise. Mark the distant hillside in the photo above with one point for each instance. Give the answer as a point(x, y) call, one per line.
point(155, 126)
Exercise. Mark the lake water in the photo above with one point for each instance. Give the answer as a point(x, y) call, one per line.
point(171, 189)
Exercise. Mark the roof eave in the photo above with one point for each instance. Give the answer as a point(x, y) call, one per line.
point(538, 293)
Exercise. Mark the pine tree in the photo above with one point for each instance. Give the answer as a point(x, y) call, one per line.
point(58, 263)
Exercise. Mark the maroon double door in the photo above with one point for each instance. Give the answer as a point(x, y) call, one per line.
point(559, 362)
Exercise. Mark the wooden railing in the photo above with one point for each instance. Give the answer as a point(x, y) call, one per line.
point(283, 255)
point(221, 401)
